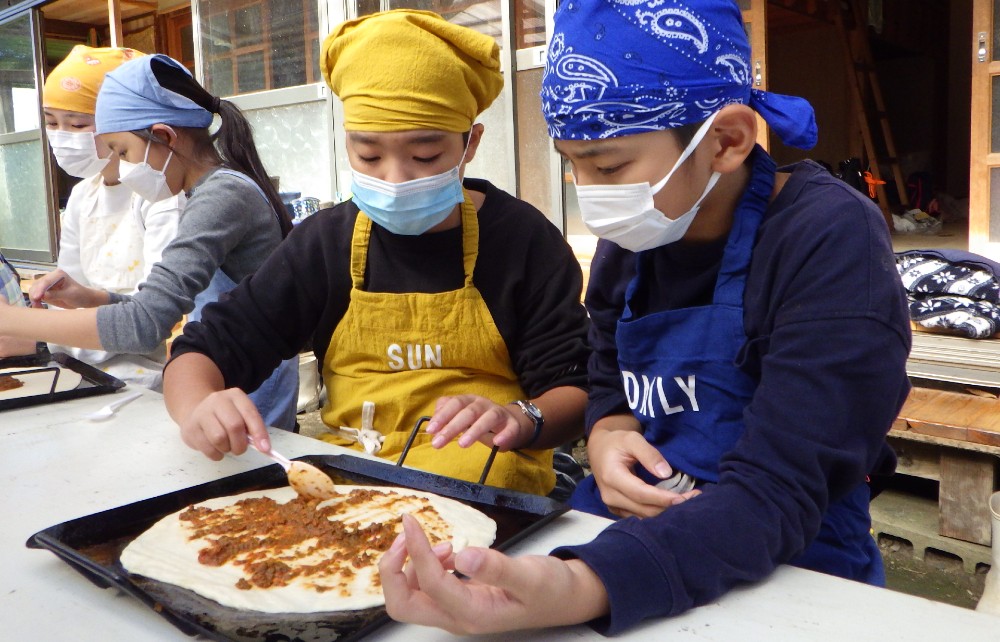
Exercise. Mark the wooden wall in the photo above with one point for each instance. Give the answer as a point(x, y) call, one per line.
point(923, 61)
point(808, 62)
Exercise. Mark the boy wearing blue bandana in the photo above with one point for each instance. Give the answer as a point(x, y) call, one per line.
point(749, 332)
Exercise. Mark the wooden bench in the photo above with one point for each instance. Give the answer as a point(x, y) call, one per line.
point(954, 439)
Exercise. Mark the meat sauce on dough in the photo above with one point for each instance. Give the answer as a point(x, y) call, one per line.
point(274, 552)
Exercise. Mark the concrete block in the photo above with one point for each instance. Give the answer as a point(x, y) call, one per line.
point(915, 519)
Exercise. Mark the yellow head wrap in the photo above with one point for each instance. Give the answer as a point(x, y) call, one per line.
point(74, 83)
point(403, 70)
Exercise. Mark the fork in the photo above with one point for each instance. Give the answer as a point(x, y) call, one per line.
point(107, 411)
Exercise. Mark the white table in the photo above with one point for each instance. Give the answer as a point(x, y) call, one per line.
point(55, 466)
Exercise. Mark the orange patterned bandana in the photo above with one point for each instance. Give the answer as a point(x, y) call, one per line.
point(74, 83)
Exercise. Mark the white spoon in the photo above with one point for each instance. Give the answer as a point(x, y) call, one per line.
point(307, 480)
point(107, 411)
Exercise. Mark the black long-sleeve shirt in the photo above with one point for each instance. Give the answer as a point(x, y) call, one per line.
point(525, 272)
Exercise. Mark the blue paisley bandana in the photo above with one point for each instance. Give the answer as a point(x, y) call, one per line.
point(620, 67)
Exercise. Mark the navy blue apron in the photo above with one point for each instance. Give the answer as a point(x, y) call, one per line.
point(681, 382)
point(277, 398)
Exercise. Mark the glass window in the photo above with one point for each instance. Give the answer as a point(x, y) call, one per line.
point(250, 72)
point(995, 115)
point(529, 26)
point(257, 45)
point(18, 93)
point(996, 30)
point(291, 149)
point(533, 143)
point(483, 16)
point(25, 222)
point(246, 25)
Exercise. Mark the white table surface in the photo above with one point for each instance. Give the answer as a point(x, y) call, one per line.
point(56, 466)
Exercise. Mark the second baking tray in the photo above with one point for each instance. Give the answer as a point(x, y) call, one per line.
point(93, 544)
point(93, 381)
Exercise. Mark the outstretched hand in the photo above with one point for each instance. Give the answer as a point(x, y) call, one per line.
point(61, 290)
point(501, 594)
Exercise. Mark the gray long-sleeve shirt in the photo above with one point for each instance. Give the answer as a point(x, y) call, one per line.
point(227, 223)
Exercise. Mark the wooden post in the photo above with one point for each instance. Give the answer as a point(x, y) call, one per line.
point(967, 481)
point(115, 23)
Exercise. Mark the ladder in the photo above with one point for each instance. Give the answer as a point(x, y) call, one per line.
point(863, 80)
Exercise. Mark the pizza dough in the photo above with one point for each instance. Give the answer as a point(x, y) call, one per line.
point(274, 552)
point(39, 383)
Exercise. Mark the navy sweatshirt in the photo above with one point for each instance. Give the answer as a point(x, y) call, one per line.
point(827, 341)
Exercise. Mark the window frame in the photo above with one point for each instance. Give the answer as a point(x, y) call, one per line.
point(262, 45)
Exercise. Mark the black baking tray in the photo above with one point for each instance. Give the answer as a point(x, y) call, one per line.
point(92, 545)
point(93, 382)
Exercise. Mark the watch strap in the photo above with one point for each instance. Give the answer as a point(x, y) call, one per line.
point(532, 412)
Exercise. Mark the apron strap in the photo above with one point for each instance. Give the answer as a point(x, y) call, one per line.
point(470, 243)
point(470, 237)
point(731, 282)
point(233, 172)
point(359, 249)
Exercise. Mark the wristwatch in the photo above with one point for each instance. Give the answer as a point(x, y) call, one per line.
point(532, 412)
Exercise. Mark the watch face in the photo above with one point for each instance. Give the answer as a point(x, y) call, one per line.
point(532, 409)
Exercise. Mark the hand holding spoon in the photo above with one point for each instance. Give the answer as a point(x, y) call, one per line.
point(307, 480)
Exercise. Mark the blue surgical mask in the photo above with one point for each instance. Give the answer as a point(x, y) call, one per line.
point(412, 207)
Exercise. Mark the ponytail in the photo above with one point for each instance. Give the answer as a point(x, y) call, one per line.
point(234, 140)
point(235, 144)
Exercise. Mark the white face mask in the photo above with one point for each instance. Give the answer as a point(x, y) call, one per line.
point(149, 183)
point(76, 152)
point(626, 214)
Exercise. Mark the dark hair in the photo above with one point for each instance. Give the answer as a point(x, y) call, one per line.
point(685, 133)
point(233, 143)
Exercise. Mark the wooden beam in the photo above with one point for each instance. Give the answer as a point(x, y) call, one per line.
point(151, 6)
point(970, 446)
point(115, 22)
point(917, 459)
point(66, 28)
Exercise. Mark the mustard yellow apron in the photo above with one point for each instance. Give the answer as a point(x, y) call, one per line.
point(404, 351)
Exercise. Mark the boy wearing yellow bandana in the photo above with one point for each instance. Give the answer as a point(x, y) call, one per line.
point(426, 294)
